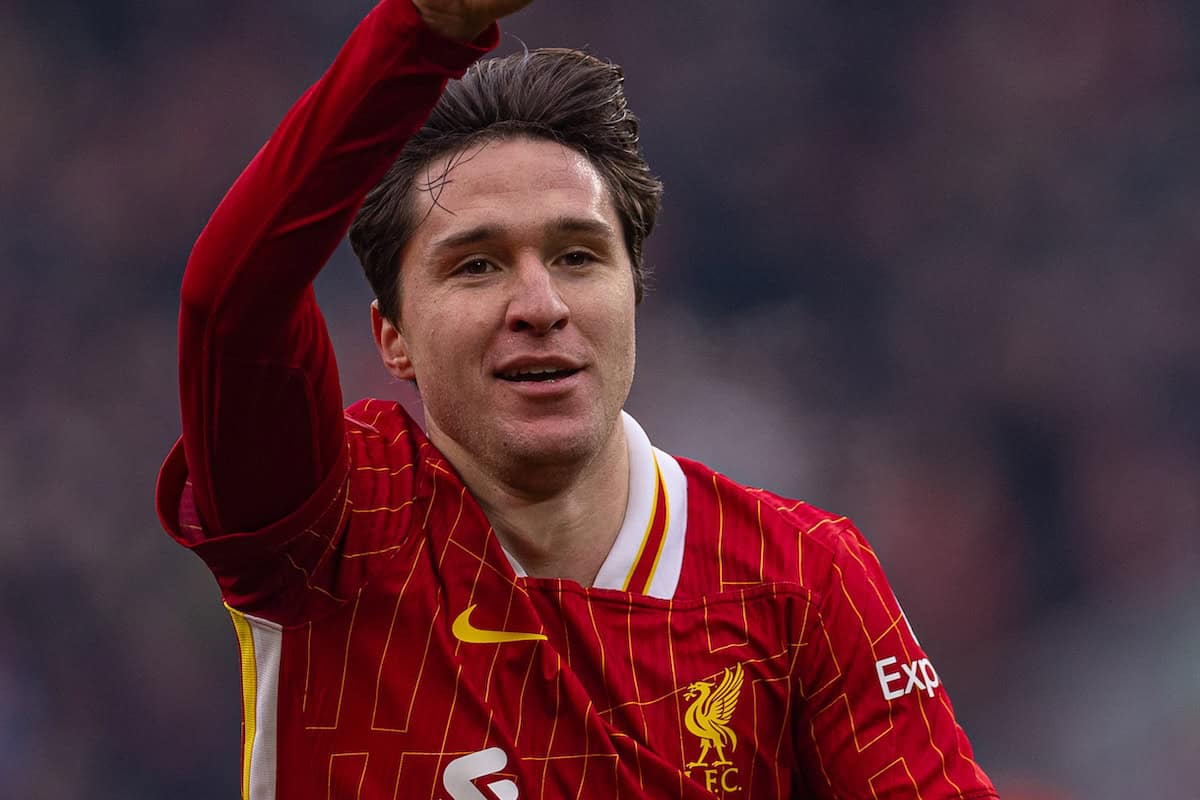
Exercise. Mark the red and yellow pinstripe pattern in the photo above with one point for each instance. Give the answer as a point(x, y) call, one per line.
point(585, 695)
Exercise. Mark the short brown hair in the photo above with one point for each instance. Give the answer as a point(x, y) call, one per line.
point(566, 96)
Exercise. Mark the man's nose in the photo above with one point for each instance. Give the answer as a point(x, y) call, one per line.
point(536, 304)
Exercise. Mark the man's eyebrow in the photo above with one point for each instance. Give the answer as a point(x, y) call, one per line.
point(480, 233)
point(594, 227)
point(557, 226)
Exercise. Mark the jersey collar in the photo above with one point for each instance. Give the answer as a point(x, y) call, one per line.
point(647, 554)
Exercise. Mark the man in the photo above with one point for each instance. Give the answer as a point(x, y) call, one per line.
point(527, 599)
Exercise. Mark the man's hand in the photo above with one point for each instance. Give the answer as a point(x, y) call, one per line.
point(465, 19)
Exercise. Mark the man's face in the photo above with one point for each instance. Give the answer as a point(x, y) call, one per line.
point(517, 307)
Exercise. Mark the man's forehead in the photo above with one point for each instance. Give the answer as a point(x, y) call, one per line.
point(511, 182)
point(492, 159)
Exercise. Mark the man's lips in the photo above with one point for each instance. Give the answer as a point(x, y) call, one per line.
point(539, 370)
point(539, 376)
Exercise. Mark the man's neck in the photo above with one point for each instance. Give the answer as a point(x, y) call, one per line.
point(558, 522)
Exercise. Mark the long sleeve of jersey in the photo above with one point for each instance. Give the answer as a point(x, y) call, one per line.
point(260, 399)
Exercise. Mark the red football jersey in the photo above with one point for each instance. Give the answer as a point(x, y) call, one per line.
point(735, 645)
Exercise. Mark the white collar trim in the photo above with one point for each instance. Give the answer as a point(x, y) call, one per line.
point(646, 553)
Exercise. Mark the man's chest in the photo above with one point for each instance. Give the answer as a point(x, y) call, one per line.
point(541, 683)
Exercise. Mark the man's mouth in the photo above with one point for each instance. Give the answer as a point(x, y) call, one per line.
point(537, 374)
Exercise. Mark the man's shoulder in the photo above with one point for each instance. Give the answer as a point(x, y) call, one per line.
point(764, 536)
point(379, 417)
point(390, 455)
point(711, 492)
point(385, 429)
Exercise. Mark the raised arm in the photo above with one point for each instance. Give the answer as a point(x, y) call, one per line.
point(259, 393)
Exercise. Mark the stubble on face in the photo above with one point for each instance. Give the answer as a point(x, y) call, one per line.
point(520, 261)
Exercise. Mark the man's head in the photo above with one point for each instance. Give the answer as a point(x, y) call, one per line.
point(505, 251)
point(561, 95)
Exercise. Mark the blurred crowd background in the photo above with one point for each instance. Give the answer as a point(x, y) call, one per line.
point(932, 265)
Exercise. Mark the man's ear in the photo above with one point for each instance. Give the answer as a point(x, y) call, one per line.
point(393, 349)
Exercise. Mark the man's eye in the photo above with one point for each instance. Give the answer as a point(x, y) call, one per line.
point(476, 266)
point(577, 258)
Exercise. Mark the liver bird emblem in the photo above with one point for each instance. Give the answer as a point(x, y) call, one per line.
point(708, 717)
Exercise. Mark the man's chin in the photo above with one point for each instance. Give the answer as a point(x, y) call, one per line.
point(551, 441)
point(539, 451)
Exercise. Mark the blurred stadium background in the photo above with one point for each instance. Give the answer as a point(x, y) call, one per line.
point(932, 265)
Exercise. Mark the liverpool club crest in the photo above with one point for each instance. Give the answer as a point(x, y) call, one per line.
point(708, 717)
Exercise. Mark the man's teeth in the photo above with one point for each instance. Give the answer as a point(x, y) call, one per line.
point(537, 374)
